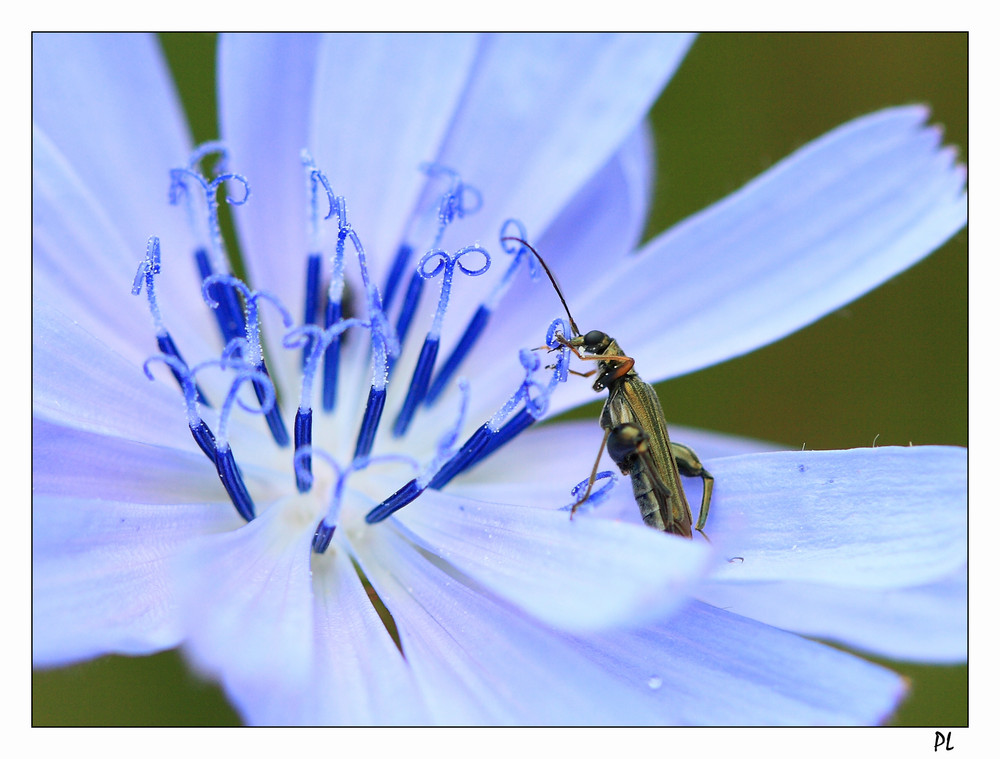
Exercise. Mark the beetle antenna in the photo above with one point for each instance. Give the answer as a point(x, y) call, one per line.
point(552, 279)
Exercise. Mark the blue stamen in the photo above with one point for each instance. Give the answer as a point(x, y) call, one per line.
point(369, 424)
point(229, 312)
point(413, 292)
point(225, 462)
point(467, 454)
point(403, 254)
point(472, 451)
point(494, 434)
point(216, 447)
point(425, 364)
point(331, 358)
point(211, 259)
point(469, 338)
point(479, 320)
point(451, 204)
point(254, 354)
point(312, 297)
point(384, 345)
point(597, 496)
point(517, 424)
point(166, 345)
point(303, 440)
point(318, 341)
point(149, 267)
point(402, 497)
point(334, 310)
point(418, 385)
point(205, 439)
point(317, 178)
point(445, 450)
point(185, 376)
point(534, 408)
point(179, 188)
point(328, 524)
point(323, 536)
point(384, 342)
point(232, 481)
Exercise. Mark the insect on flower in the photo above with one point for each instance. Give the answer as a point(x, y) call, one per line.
point(635, 433)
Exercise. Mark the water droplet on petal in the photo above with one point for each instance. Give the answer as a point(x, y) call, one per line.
point(654, 682)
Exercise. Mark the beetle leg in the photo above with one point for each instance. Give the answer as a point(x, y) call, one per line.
point(690, 465)
point(593, 474)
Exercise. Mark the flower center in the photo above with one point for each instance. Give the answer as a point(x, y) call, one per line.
point(236, 310)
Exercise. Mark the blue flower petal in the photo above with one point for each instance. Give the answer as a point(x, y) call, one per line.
point(923, 623)
point(382, 107)
point(66, 461)
point(78, 381)
point(79, 246)
point(107, 102)
point(99, 574)
point(252, 625)
point(555, 108)
point(579, 575)
point(705, 666)
point(477, 661)
point(866, 518)
point(357, 675)
point(822, 227)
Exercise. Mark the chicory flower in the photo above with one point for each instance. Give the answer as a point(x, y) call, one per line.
point(372, 179)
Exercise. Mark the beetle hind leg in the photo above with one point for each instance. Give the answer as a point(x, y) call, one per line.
point(690, 465)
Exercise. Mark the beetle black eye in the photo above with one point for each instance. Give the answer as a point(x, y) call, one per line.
point(594, 337)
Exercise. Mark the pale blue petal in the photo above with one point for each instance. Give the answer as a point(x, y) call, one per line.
point(78, 381)
point(77, 251)
point(821, 228)
point(245, 602)
point(68, 461)
point(99, 574)
point(871, 518)
point(358, 676)
point(606, 215)
point(578, 575)
point(479, 662)
point(923, 623)
point(107, 102)
point(553, 109)
point(382, 105)
point(82, 263)
point(705, 666)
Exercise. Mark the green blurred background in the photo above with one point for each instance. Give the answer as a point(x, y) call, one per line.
point(893, 364)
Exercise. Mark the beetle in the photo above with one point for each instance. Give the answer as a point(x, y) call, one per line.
point(635, 432)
